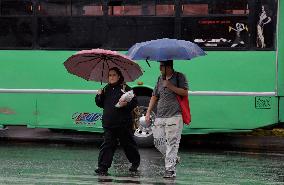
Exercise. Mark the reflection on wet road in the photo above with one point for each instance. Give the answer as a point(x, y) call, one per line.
point(56, 164)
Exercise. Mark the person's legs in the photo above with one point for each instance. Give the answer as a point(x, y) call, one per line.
point(130, 147)
point(107, 150)
point(159, 135)
point(173, 131)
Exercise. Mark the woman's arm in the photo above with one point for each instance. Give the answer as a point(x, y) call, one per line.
point(100, 98)
point(132, 104)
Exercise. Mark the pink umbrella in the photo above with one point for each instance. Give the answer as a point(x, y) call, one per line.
point(94, 65)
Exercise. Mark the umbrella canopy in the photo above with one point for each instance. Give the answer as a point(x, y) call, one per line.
point(94, 65)
point(165, 49)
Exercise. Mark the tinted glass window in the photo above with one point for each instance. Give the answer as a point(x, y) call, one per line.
point(165, 10)
point(265, 24)
point(16, 32)
point(87, 8)
point(123, 32)
point(203, 7)
point(215, 32)
point(70, 32)
point(141, 8)
point(195, 9)
point(16, 7)
point(55, 8)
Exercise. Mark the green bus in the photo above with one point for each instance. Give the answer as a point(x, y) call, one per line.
point(237, 87)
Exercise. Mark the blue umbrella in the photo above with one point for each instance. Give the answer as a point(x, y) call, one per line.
point(165, 49)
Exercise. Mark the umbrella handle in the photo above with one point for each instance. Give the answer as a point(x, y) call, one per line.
point(102, 73)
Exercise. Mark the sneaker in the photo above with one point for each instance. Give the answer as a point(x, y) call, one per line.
point(101, 171)
point(170, 174)
point(134, 167)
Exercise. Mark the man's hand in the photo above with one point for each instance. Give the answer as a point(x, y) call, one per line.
point(168, 84)
point(147, 118)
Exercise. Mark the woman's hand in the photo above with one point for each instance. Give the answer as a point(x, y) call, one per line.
point(99, 92)
point(122, 103)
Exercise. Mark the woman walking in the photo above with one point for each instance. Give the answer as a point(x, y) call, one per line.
point(116, 122)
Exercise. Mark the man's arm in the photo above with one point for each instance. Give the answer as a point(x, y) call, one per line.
point(152, 103)
point(175, 89)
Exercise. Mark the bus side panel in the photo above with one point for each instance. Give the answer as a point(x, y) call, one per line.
point(281, 109)
point(17, 109)
point(281, 52)
point(44, 70)
point(69, 111)
point(229, 113)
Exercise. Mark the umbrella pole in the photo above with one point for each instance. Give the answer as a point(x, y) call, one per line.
point(102, 73)
point(165, 77)
point(147, 62)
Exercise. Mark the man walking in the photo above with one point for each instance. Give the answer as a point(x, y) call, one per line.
point(168, 124)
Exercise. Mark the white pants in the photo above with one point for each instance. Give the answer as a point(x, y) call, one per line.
point(167, 134)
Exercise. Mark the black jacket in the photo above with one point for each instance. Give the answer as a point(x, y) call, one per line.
point(113, 116)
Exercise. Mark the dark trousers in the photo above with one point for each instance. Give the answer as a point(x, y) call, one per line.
point(126, 139)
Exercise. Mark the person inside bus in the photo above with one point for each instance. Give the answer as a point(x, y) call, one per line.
point(168, 124)
point(117, 123)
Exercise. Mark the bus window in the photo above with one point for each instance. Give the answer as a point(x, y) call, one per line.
point(265, 24)
point(165, 10)
point(132, 21)
point(16, 24)
point(195, 9)
point(16, 7)
point(55, 8)
point(125, 8)
point(204, 7)
point(16, 32)
point(216, 23)
point(87, 8)
point(215, 32)
point(141, 8)
point(148, 8)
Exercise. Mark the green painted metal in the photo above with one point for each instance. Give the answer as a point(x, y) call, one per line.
point(280, 84)
point(240, 71)
point(281, 109)
point(281, 51)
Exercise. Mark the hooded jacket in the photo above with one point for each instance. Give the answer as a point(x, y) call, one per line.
point(112, 116)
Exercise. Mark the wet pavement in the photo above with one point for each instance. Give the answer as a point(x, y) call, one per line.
point(39, 156)
point(61, 164)
point(209, 141)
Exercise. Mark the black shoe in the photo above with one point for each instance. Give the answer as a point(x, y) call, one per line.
point(101, 171)
point(134, 167)
point(169, 174)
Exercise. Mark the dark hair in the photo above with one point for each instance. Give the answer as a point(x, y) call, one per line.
point(121, 78)
point(167, 63)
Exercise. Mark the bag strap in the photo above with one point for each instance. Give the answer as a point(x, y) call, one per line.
point(177, 79)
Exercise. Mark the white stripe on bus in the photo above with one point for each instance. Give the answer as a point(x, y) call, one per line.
point(193, 93)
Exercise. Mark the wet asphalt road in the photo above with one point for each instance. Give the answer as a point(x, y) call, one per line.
point(28, 163)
